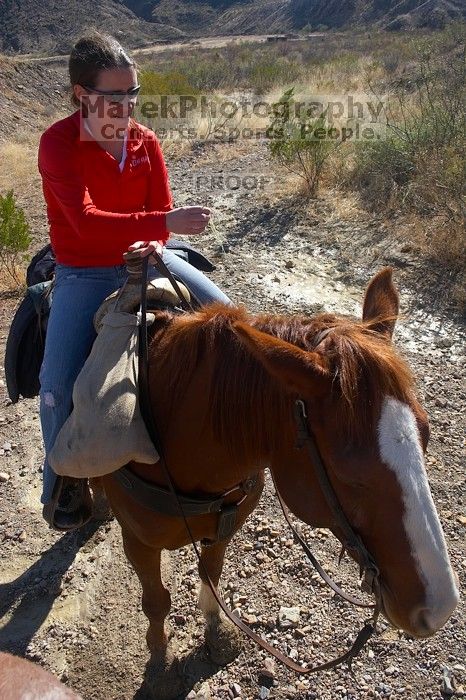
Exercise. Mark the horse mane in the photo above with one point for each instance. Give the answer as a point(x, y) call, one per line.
point(364, 366)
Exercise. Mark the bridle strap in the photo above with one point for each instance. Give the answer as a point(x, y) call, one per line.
point(369, 627)
point(352, 542)
point(310, 555)
point(163, 269)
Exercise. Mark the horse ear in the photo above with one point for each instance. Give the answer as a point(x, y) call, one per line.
point(300, 371)
point(381, 303)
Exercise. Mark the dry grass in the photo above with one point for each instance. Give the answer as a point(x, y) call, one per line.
point(175, 149)
point(336, 61)
point(337, 203)
point(440, 238)
point(343, 206)
point(21, 170)
point(12, 283)
point(217, 153)
point(443, 241)
point(22, 176)
point(5, 61)
point(284, 186)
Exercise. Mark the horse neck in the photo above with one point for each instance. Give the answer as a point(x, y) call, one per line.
point(251, 414)
point(198, 361)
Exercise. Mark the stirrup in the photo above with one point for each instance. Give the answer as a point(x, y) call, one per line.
point(84, 512)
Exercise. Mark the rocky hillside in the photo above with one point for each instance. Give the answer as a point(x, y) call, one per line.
point(259, 16)
point(51, 26)
point(334, 13)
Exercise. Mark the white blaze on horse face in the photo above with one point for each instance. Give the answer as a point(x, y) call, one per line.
point(400, 449)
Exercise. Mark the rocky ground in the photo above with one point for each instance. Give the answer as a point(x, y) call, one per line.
point(72, 602)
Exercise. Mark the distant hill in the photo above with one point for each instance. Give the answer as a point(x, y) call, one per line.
point(416, 13)
point(51, 26)
point(212, 17)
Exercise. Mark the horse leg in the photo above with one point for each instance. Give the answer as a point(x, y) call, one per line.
point(221, 635)
point(156, 600)
point(163, 676)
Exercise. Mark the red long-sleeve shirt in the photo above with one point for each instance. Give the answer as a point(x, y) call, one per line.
point(95, 211)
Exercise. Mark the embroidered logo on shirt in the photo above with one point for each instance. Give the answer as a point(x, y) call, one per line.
point(138, 161)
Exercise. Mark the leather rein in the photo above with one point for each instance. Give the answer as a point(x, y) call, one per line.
point(351, 541)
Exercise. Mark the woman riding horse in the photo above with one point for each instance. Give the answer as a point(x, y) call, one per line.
point(107, 191)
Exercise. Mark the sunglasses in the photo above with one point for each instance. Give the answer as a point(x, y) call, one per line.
point(114, 95)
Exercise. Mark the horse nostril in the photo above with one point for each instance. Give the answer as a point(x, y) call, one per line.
point(422, 626)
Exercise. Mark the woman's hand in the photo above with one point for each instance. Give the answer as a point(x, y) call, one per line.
point(146, 248)
point(187, 219)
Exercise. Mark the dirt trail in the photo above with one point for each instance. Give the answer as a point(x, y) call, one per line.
point(72, 603)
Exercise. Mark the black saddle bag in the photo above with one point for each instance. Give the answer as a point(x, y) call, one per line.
point(26, 341)
point(25, 344)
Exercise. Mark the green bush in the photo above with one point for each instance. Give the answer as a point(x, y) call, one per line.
point(266, 74)
point(170, 83)
point(232, 67)
point(382, 167)
point(295, 145)
point(420, 165)
point(189, 77)
point(14, 235)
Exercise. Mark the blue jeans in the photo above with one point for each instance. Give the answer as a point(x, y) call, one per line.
point(78, 293)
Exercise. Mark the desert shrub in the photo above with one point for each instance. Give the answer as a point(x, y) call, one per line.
point(420, 164)
point(208, 71)
point(295, 145)
point(235, 66)
point(266, 74)
point(155, 84)
point(382, 168)
point(417, 171)
point(14, 236)
point(170, 83)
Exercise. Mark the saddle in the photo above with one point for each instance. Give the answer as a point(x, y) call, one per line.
point(105, 429)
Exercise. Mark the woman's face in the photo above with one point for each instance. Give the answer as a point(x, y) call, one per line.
point(108, 115)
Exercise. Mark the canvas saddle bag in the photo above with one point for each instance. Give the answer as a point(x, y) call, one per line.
point(105, 429)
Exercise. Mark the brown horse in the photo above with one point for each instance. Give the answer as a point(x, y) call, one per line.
point(21, 679)
point(223, 383)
